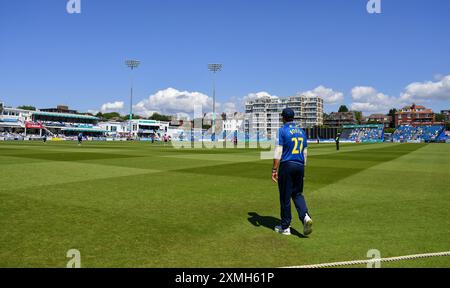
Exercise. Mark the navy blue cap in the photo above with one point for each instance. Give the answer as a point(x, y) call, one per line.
point(288, 113)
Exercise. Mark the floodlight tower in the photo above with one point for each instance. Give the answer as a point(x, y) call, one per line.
point(214, 67)
point(132, 64)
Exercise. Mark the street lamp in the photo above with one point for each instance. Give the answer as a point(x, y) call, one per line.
point(132, 64)
point(214, 67)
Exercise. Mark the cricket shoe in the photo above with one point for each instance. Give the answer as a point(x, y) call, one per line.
point(307, 225)
point(280, 230)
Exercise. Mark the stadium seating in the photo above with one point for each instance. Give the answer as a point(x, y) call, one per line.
point(363, 134)
point(404, 133)
point(428, 133)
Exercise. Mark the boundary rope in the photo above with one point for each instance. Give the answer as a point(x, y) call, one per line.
point(373, 260)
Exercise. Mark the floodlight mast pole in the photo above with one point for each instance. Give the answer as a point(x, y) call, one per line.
point(132, 64)
point(215, 67)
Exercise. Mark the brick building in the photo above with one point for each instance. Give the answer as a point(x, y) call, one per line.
point(339, 119)
point(415, 115)
point(378, 118)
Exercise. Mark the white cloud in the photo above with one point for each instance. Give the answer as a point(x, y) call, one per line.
point(367, 107)
point(249, 97)
point(258, 95)
point(229, 107)
point(369, 100)
point(112, 107)
point(364, 98)
point(143, 110)
point(363, 93)
point(328, 95)
point(93, 112)
point(422, 91)
point(171, 101)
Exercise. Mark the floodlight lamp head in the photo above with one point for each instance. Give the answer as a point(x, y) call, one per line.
point(215, 67)
point(132, 63)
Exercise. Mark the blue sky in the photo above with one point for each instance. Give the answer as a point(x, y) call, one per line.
point(367, 61)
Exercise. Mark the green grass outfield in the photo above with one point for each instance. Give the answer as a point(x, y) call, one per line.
point(144, 205)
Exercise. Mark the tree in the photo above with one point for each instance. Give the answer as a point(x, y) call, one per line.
point(389, 130)
point(343, 108)
point(26, 107)
point(392, 115)
point(133, 117)
point(160, 117)
point(111, 115)
point(440, 118)
point(447, 126)
point(358, 116)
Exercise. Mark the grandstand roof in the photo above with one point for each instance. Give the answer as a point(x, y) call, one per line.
point(363, 126)
point(65, 115)
point(74, 129)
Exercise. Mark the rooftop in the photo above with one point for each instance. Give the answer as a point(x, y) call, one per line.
point(65, 115)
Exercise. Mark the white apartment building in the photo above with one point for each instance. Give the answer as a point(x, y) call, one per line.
point(263, 115)
point(312, 111)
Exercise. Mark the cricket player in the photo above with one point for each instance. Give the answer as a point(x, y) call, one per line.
point(80, 138)
point(288, 171)
point(337, 141)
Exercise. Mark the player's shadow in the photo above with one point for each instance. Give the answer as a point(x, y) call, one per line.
point(269, 222)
